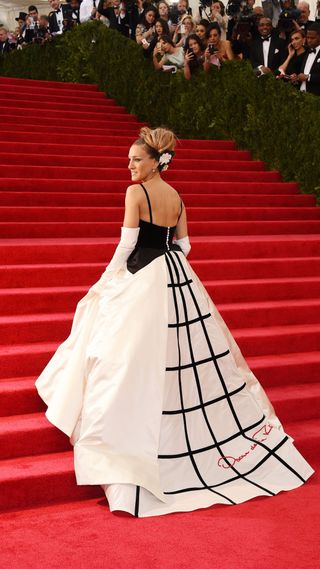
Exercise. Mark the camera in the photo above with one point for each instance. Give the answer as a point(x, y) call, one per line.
point(212, 48)
point(285, 23)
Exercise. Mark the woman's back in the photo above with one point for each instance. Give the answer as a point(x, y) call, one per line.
point(160, 204)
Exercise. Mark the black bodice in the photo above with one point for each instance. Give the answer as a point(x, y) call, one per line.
point(155, 236)
point(153, 241)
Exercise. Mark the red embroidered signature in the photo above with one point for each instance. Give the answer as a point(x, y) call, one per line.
point(260, 435)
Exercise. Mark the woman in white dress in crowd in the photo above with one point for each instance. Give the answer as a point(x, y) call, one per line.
point(150, 386)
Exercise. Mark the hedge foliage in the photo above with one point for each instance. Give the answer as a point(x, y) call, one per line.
point(275, 121)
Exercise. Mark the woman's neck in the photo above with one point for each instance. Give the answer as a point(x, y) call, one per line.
point(300, 50)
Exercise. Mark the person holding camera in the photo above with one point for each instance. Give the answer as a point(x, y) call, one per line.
point(161, 29)
point(296, 49)
point(145, 30)
point(218, 50)
point(194, 56)
point(171, 54)
point(218, 14)
point(185, 27)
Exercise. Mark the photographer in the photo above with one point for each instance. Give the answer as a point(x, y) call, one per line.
point(241, 19)
point(288, 19)
point(218, 50)
point(194, 56)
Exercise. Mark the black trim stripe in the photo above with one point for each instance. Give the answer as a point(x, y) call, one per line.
point(196, 407)
point(193, 321)
point(173, 284)
point(136, 506)
point(199, 362)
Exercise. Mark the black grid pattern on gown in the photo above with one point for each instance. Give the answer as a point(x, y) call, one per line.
point(178, 281)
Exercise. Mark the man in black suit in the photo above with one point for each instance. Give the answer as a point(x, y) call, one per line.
point(267, 51)
point(309, 77)
point(59, 13)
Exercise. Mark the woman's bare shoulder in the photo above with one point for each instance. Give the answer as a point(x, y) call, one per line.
point(172, 189)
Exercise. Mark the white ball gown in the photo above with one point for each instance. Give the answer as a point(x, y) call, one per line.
point(157, 399)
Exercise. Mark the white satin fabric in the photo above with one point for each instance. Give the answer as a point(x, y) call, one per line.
point(106, 387)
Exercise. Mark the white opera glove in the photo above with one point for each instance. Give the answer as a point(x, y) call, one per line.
point(128, 240)
point(184, 245)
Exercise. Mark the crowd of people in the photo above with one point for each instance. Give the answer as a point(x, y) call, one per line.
point(280, 37)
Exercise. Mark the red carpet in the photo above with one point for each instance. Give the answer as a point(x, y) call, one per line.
point(256, 246)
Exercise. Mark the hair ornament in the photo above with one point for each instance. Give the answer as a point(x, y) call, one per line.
point(165, 159)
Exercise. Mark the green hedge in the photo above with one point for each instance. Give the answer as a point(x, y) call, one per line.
point(275, 121)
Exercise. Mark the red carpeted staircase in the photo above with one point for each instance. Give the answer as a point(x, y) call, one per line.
point(63, 174)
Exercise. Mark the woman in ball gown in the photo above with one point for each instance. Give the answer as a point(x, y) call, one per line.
point(160, 406)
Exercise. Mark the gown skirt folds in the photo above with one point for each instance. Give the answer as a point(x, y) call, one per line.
point(159, 403)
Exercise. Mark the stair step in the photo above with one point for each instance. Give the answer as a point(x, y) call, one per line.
point(278, 339)
point(42, 83)
point(286, 189)
point(42, 103)
point(300, 402)
point(42, 479)
point(57, 161)
point(196, 228)
point(96, 117)
point(30, 434)
point(19, 396)
point(59, 199)
point(108, 173)
point(118, 150)
point(286, 369)
point(200, 214)
point(280, 312)
point(74, 126)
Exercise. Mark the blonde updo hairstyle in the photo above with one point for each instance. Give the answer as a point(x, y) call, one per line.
point(156, 141)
